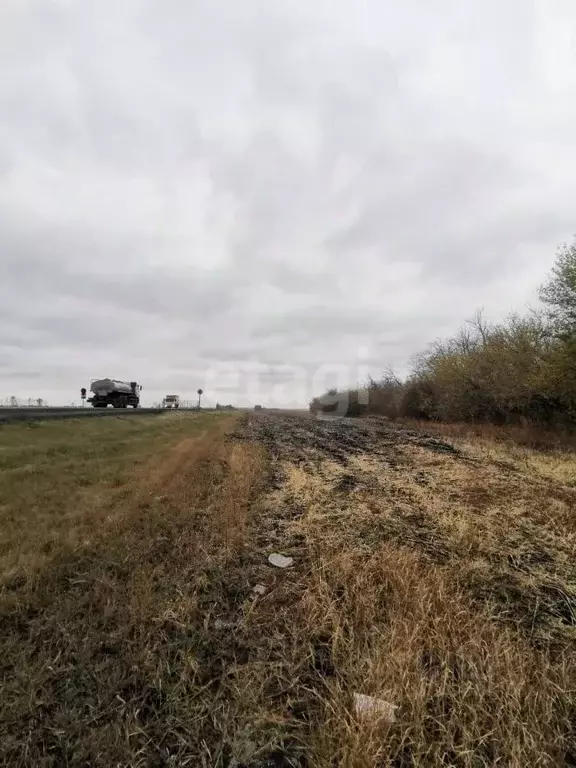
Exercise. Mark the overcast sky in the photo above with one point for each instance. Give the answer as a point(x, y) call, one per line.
point(190, 188)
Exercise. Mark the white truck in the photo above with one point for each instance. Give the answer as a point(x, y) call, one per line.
point(171, 401)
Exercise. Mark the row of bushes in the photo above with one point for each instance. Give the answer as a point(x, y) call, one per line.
point(522, 370)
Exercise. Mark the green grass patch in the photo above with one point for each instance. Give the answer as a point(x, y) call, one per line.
point(58, 478)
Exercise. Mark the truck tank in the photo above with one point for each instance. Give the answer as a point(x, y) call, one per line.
point(119, 394)
point(104, 387)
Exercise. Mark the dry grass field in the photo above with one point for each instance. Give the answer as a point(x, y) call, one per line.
point(435, 573)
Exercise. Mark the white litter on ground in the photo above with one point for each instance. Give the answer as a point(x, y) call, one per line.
point(280, 561)
point(222, 624)
point(369, 706)
point(259, 589)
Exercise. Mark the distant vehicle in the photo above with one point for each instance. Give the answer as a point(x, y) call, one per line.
point(171, 401)
point(119, 394)
point(257, 407)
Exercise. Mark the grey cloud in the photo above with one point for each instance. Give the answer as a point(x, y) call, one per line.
point(271, 181)
point(69, 264)
point(327, 322)
point(321, 322)
point(229, 354)
point(23, 375)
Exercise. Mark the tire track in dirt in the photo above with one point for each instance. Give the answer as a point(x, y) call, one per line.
point(379, 481)
point(342, 489)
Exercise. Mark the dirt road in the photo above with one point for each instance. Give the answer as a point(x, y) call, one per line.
point(437, 579)
point(397, 485)
point(325, 467)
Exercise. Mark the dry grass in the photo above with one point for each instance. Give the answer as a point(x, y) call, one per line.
point(442, 583)
point(102, 635)
point(468, 693)
point(532, 449)
point(411, 588)
point(529, 436)
point(62, 480)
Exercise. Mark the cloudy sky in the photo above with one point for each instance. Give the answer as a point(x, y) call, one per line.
point(238, 195)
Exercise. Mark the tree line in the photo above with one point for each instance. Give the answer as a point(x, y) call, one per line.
point(519, 371)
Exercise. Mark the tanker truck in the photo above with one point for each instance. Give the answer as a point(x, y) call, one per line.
point(119, 394)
